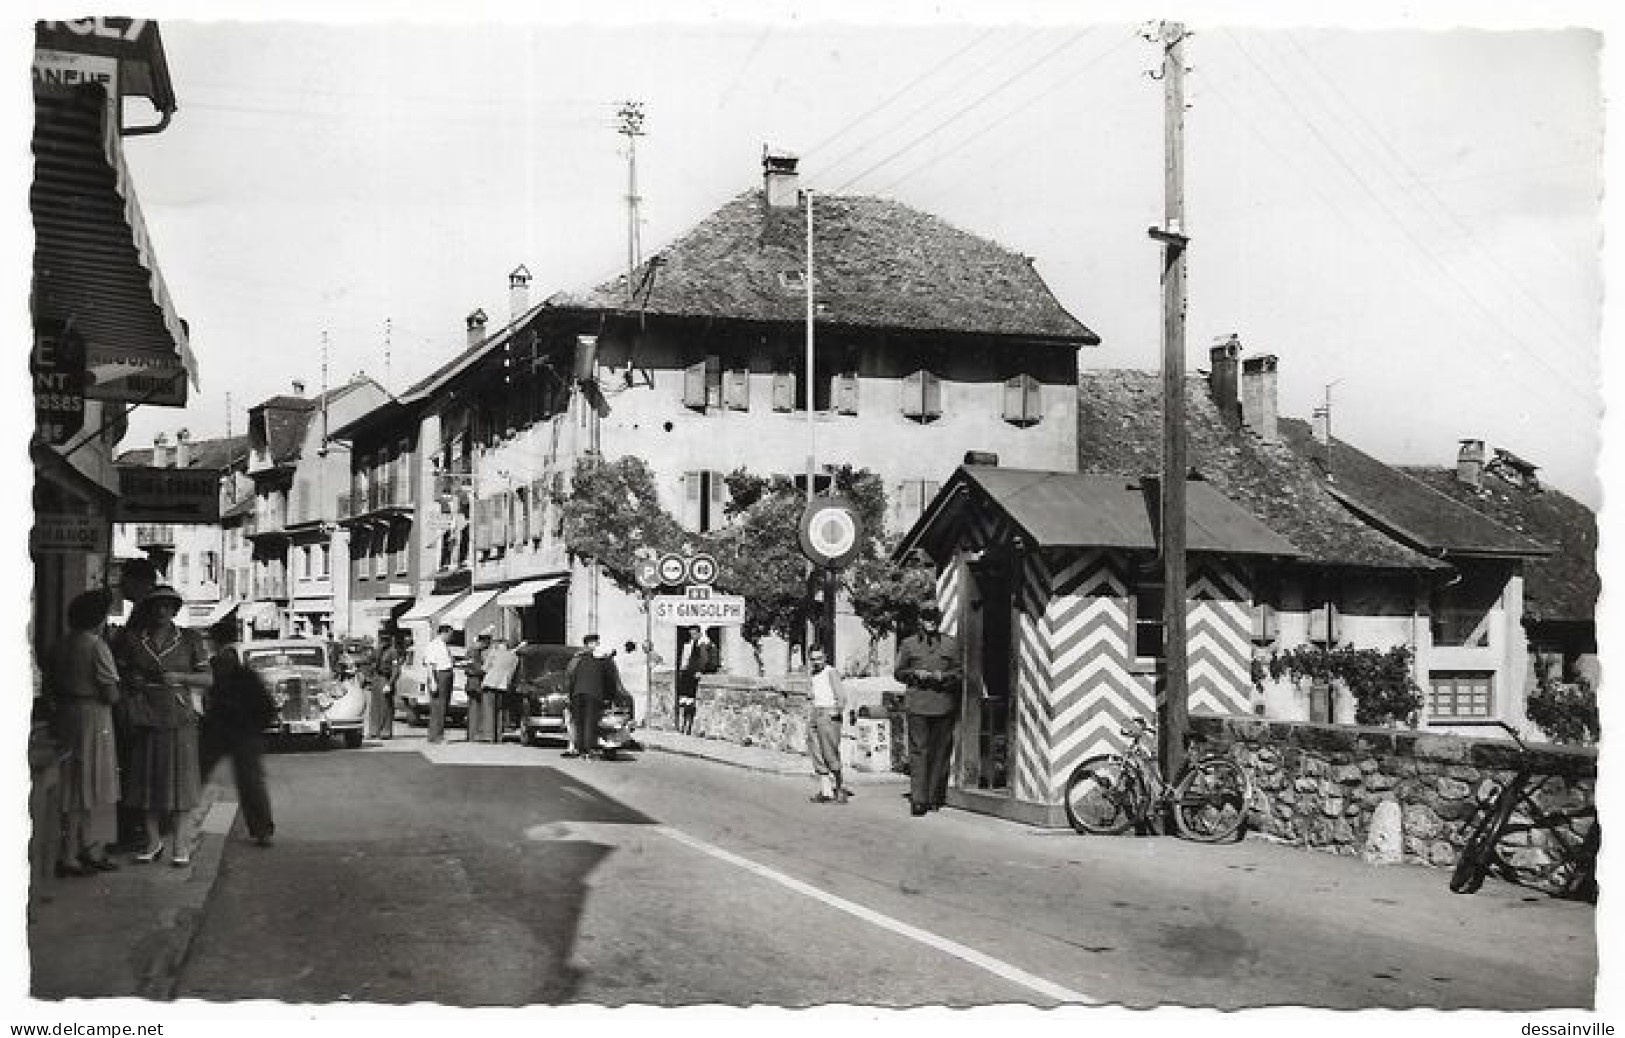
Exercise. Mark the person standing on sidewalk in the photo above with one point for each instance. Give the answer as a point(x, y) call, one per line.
point(698, 656)
point(240, 709)
point(83, 683)
point(479, 725)
point(137, 578)
point(826, 705)
point(501, 665)
point(381, 699)
point(166, 671)
point(929, 663)
point(437, 657)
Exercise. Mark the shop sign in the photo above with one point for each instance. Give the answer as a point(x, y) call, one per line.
point(69, 69)
point(57, 534)
point(167, 495)
point(699, 607)
point(58, 368)
point(135, 376)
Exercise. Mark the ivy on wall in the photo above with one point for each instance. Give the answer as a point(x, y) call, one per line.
point(1379, 679)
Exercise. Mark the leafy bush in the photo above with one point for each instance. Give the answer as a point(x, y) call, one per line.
point(1565, 711)
point(1380, 680)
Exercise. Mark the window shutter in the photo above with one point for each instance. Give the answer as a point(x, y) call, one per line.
point(694, 386)
point(914, 394)
point(1264, 622)
point(719, 500)
point(1015, 401)
point(500, 506)
point(738, 389)
point(1033, 399)
point(932, 406)
point(846, 393)
point(784, 391)
point(691, 500)
point(522, 511)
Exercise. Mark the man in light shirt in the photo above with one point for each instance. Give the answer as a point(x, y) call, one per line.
point(826, 705)
point(437, 657)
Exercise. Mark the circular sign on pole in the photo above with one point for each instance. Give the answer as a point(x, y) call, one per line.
point(673, 569)
point(830, 531)
point(702, 569)
point(648, 574)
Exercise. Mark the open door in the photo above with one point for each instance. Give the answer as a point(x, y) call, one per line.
point(983, 739)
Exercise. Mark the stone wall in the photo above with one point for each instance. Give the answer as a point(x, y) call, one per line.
point(1318, 785)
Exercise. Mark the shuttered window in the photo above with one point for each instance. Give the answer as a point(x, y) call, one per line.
point(844, 392)
point(702, 384)
point(705, 499)
point(1326, 624)
point(784, 391)
point(1023, 403)
point(922, 396)
point(737, 389)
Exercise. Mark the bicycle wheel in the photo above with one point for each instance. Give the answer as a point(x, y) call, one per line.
point(1474, 863)
point(1102, 796)
point(1210, 802)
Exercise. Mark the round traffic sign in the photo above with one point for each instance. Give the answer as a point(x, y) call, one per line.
point(648, 574)
point(830, 531)
point(702, 569)
point(673, 569)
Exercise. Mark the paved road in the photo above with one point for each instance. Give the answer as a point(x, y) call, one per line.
point(506, 876)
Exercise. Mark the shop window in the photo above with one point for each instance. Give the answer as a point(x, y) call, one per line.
point(922, 396)
point(702, 384)
point(1023, 401)
point(1461, 695)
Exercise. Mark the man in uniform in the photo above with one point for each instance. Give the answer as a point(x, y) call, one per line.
point(929, 664)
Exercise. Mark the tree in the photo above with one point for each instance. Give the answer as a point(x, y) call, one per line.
point(612, 516)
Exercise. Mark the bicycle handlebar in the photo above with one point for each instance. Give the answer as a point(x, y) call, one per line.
point(1141, 727)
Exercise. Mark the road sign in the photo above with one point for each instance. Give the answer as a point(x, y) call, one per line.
point(709, 611)
point(830, 531)
point(167, 495)
point(673, 569)
point(647, 572)
point(702, 569)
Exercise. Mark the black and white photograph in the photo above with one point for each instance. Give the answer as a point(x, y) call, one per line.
point(570, 516)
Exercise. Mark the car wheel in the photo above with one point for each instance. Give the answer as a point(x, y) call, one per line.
point(352, 740)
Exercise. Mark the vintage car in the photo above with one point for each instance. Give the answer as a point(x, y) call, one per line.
point(312, 697)
point(540, 681)
point(412, 689)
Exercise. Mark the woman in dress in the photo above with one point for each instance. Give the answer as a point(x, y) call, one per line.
point(83, 682)
point(166, 668)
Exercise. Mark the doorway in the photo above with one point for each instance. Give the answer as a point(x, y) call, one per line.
point(984, 727)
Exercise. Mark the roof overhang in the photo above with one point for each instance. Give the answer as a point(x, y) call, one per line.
point(94, 270)
point(1400, 532)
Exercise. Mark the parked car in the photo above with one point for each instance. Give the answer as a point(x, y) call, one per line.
point(312, 696)
point(541, 681)
point(412, 690)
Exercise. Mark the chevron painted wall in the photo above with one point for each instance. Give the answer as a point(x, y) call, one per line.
point(1219, 631)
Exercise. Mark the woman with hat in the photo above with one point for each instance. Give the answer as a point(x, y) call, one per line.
point(83, 682)
point(166, 671)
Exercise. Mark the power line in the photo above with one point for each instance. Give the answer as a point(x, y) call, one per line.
point(1435, 205)
point(1389, 213)
point(1021, 107)
point(960, 113)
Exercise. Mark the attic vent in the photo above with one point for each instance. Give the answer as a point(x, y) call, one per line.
point(793, 280)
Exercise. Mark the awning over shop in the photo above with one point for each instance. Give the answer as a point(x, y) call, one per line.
point(216, 613)
point(522, 595)
point(94, 268)
point(427, 608)
point(457, 616)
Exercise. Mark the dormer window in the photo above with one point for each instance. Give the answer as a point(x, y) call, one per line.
point(793, 280)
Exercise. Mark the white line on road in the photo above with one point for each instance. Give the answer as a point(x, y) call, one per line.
point(959, 951)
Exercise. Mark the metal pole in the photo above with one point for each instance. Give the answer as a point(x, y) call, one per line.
point(812, 428)
point(1176, 705)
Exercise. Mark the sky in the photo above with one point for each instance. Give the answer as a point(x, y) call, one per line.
point(1409, 219)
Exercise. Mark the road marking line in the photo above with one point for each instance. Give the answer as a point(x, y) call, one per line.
point(959, 951)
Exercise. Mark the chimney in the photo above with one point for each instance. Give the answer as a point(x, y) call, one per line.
point(1321, 426)
point(1470, 463)
point(160, 451)
point(183, 448)
point(1221, 381)
point(518, 291)
point(298, 387)
point(779, 179)
point(1258, 397)
point(476, 327)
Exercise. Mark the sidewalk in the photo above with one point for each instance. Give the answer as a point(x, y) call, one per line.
point(125, 934)
point(751, 758)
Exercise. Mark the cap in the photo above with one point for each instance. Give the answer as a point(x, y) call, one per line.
point(163, 593)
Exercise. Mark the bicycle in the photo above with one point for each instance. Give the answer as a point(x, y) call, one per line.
point(1500, 840)
point(1111, 792)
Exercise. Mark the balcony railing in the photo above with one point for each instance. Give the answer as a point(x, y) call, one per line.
point(390, 494)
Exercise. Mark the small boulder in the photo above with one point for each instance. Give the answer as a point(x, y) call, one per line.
point(1384, 838)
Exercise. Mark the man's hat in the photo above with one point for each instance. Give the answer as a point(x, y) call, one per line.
point(164, 593)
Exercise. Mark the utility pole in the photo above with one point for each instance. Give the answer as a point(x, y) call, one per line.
point(812, 425)
point(631, 127)
point(1175, 719)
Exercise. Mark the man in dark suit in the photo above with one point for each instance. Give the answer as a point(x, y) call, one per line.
point(699, 656)
point(930, 665)
point(592, 680)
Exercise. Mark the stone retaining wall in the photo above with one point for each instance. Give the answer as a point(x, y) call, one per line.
point(1318, 785)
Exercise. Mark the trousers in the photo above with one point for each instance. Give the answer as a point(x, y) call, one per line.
point(587, 710)
point(930, 746)
point(439, 700)
point(247, 753)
